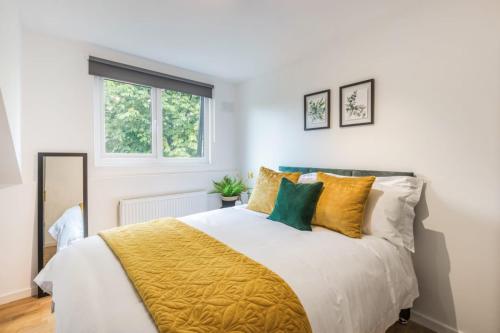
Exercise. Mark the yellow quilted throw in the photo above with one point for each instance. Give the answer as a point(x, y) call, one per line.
point(191, 282)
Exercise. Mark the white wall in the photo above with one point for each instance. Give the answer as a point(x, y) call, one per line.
point(437, 113)
point(57, 116)
point(10, 91)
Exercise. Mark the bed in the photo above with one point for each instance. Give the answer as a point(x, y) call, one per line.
point(344, 284)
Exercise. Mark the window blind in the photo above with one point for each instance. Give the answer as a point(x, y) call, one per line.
point(122, 72)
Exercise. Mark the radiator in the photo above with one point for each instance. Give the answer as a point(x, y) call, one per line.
point(172, 205)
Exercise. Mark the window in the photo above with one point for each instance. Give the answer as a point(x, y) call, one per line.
point(139, 123)
point(183, 124)
point(128, 118)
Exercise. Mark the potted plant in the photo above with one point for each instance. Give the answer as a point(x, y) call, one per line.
point(229, 189)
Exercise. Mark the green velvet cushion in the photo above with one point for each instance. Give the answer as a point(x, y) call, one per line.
point(295, 204)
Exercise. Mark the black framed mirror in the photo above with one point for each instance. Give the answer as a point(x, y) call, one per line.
point(62, 203)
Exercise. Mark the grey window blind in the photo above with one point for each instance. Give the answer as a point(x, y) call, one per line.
point(122, 72)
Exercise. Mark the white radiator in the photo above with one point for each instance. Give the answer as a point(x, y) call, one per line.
point(172, 205)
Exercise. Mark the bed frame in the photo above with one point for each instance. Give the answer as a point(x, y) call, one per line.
point(404, 314)
point(346, 172)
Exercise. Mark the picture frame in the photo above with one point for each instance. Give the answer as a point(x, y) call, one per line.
point(357, 103)
point(317, 110)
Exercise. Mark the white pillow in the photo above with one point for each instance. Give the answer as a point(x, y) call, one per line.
point(390, 209)
point(308, 178)
point(68, 228)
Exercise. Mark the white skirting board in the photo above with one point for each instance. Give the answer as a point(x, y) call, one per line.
point(433, 324)
point(16, 295)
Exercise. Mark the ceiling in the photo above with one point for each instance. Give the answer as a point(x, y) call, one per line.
point(232, 39)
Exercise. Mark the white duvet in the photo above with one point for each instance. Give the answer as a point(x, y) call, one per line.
point(345, 285)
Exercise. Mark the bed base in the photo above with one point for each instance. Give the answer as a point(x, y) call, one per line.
point(404, 316)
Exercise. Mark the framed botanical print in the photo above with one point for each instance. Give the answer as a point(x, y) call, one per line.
point(357, 103)
point(317, 110)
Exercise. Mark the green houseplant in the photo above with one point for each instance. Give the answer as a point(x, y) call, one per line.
point(229, 189)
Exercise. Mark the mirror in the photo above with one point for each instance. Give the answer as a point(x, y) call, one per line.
point(62, 203)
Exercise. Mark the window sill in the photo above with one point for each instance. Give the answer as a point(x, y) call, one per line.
point(117, 162)
point(112, 172)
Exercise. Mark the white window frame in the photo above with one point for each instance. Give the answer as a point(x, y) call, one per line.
point(155, 158)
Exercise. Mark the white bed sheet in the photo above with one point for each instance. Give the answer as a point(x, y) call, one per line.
point(345, 285)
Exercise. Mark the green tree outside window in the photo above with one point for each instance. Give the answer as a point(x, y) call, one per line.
point(127, 118)
point(128, 121)
point(182, 124)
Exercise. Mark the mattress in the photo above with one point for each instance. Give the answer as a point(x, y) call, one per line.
point(344, 284)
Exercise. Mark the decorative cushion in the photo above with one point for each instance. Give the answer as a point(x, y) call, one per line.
point(342, 203)
point(266, 189)
point(295, 204)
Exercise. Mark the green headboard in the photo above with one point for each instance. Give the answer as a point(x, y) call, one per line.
point(346, 172)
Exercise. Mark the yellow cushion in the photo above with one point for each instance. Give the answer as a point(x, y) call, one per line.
point(266, 189)
point(342, 203)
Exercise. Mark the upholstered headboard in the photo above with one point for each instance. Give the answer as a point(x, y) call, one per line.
point(346, 172)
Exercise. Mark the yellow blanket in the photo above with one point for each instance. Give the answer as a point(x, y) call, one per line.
point(191, 282)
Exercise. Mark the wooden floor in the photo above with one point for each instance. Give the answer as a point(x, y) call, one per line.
point(28, 315)
point(32, 315)
point(48, 253)
point(411, 327)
